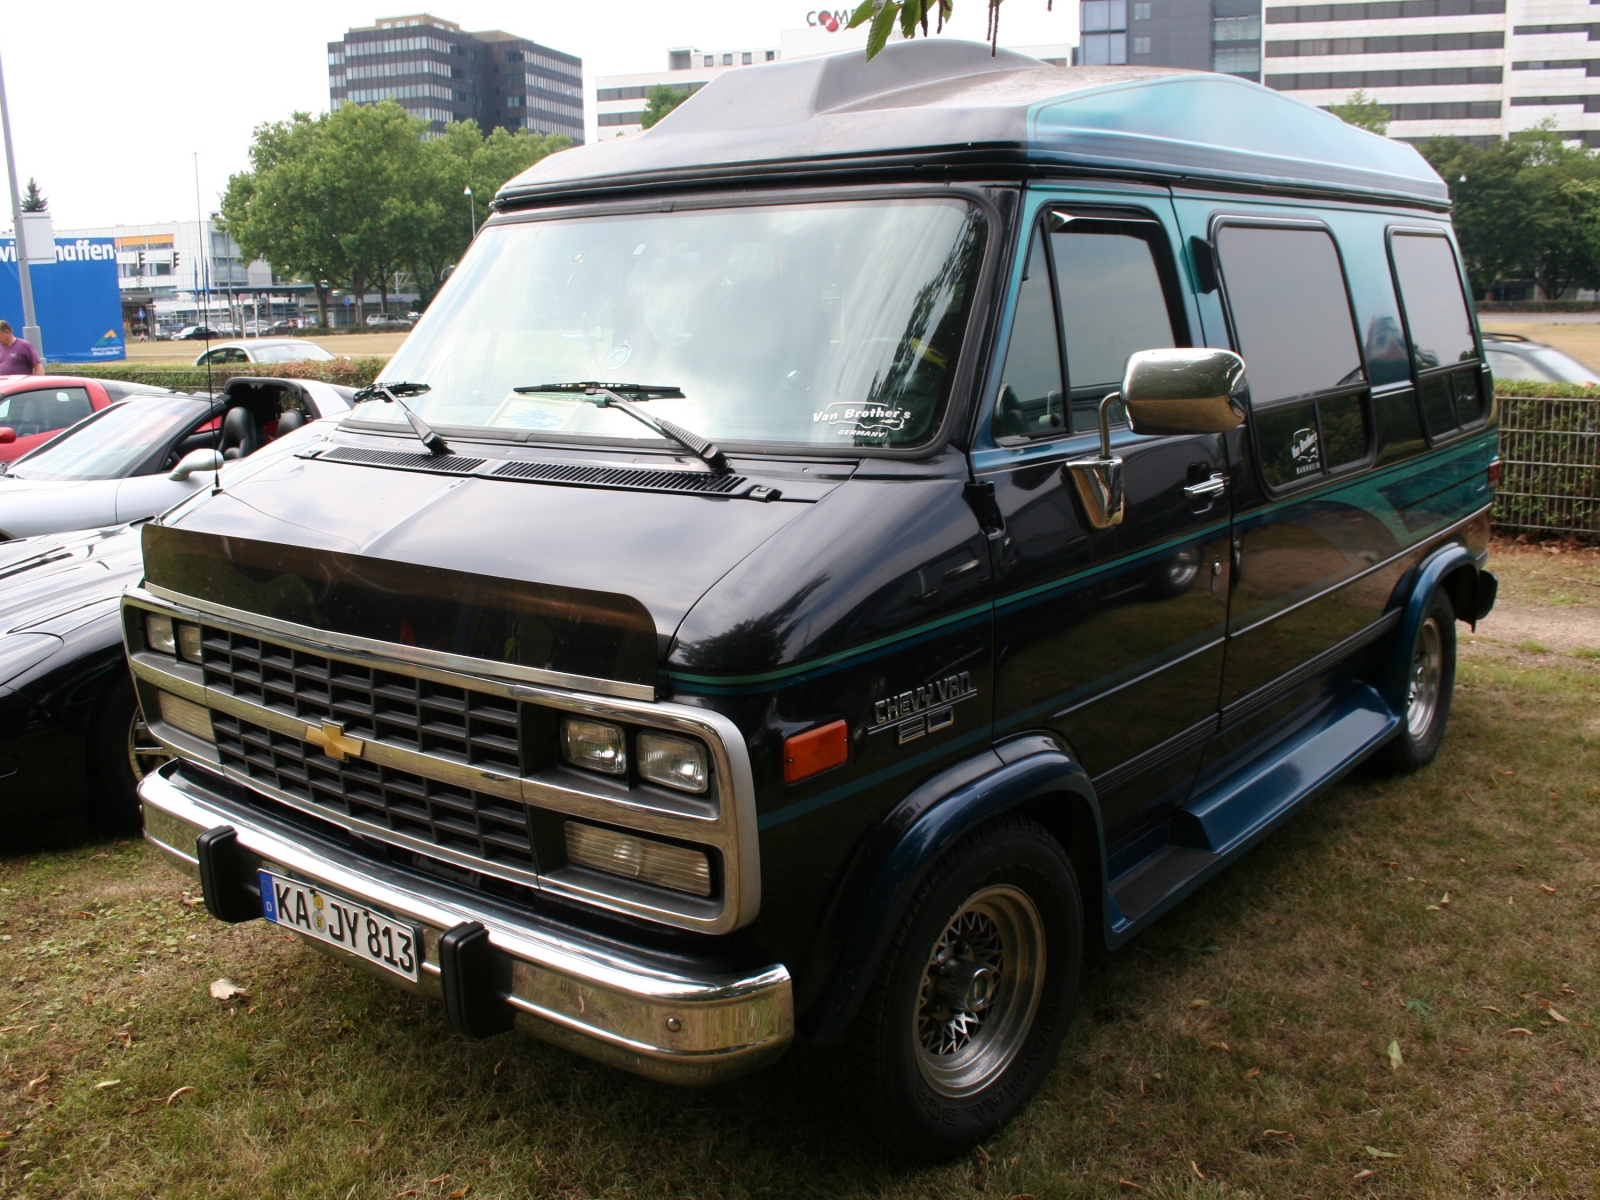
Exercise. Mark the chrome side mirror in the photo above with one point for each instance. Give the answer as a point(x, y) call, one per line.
point(195, 460)
point(1184, 391)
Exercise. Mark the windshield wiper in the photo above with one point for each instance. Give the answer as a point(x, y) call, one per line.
point(625, 396)
point(391, 393)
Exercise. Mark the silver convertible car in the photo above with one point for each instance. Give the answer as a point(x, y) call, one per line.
point(139, 458)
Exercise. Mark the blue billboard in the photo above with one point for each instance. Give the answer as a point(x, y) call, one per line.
point(75, 298)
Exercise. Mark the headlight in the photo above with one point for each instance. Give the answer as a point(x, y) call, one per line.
point(594, 744)
point(189, 643)
point(673, 761)
point(644, 859)
point(22, 651)
point(158, 634)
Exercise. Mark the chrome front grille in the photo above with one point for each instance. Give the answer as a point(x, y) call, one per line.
point(457, 767)
point(470, 728)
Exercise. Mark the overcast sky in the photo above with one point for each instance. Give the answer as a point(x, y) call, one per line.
point(110, 102)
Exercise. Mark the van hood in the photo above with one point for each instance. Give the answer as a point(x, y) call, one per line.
point(580, 582)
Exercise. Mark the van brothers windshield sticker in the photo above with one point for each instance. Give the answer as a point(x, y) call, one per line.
point(871, 422)
point(925, 709)
point(1307, 453)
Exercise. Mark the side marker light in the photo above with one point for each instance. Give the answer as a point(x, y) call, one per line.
point(816, 750)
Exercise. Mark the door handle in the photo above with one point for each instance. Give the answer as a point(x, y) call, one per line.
point(1209, 489)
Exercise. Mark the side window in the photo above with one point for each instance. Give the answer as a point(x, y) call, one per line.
point(1117, 296)
point(1444, 352)
point(45, 410)
point(1291, 316)
point(1031, 401)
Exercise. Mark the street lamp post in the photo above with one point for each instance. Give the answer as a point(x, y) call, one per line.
point(30, 322)
point(472, 210)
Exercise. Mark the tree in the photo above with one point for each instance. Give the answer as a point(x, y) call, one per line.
point(349, 198)
point(911, 15)
point(463, 157)
point(33, 200)
point(663, 99)
point(1526, 208)
point(1364, 112)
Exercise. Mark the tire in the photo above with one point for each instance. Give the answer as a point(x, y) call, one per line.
point(121, 753)
point(1430, 685)
point(966, 1014)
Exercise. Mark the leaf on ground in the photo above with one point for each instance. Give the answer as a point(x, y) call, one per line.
point(1252, 1072)
point(1223, 1046)
point(460, 1192)
point(1490, 1008)
point(106, 1083)
point(1554, 1015)
point(227, 989)
point(1278, 1133)
point(1396, 1061)
point(1367, 1174)
point(1199, 1003)
point(1198, 1173)
point(178, 1093)
point(439, 1178)
point(1393, 866)
point(1519, 1029)
point(1376, 1153)
point(1130, 1185)
point(33, 1083)
point(1546, 888)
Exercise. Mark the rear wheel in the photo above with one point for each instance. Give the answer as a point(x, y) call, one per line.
point(122, 751)
point(1430, 686)
point(968, 1009)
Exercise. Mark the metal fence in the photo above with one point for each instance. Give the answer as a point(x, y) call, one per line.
point(1550, 448)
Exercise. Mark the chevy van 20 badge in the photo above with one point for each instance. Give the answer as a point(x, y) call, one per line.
point(820, 565)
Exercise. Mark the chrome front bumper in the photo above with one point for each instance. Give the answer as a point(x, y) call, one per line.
point(666, 1024)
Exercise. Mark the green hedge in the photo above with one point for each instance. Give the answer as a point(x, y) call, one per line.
point(1547, 391)
point(353, 372)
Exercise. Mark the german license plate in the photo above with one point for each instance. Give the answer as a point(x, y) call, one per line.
point(382, 941)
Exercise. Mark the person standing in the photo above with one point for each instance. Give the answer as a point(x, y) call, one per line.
point(17, 357)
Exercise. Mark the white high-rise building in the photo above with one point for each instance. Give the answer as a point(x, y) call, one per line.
point(1475, 69)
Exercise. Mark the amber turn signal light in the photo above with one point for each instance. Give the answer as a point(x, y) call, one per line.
point(815, 750)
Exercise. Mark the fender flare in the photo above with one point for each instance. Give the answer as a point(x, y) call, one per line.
point(906, 845)
point(1424, 579)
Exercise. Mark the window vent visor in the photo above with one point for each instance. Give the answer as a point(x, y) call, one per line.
point(700, 482)
point(644, 859)
point(449, 464)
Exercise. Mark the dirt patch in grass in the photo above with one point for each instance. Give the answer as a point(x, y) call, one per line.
point(1241, 1048)
point(1549, 602)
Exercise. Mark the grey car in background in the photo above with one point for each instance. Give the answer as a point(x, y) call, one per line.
point(1514, 357)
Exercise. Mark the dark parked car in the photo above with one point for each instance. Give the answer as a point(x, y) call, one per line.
point(1034, 485)
point(72, 744)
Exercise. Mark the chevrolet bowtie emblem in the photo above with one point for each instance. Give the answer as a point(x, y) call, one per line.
point(331, 737)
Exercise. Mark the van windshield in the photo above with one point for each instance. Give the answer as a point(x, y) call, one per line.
point(828, 324)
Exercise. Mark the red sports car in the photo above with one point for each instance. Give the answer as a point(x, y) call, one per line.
point(34, 408)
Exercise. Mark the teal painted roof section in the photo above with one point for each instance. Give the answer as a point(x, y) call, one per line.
point(941, 100)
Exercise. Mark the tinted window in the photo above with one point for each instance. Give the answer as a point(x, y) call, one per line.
point(1290, 311)
point(44, 410)
point(1112, 304)
point(1436, 309)
point(1031, 400)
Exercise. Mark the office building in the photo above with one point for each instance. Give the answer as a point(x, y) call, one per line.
point(620, 99)
point(437, 71)
point(1202, 35)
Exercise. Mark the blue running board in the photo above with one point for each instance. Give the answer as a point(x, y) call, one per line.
point(1231, 816)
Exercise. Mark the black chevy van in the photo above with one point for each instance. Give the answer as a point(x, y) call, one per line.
point(821, 562)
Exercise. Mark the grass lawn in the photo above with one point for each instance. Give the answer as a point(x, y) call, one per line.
point(354, 345)
point(1395, 996)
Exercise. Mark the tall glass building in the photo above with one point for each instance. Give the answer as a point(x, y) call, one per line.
point(440, 72)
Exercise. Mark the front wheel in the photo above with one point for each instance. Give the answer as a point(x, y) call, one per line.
point(968, 1009)
point(1430, 685)
point(122, 751)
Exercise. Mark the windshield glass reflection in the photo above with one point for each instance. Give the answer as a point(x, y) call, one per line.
point(825, 324)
